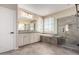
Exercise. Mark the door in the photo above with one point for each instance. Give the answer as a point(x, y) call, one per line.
point(7, 29)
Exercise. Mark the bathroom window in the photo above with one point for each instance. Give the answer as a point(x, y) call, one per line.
point(49, 25)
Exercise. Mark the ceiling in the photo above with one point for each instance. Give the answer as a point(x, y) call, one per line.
point(45, 9)
point(10, 6)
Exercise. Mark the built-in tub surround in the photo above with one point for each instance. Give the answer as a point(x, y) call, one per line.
point(72, 33)
point(52, 39)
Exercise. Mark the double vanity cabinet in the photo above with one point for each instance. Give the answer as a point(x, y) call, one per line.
point(27, 38)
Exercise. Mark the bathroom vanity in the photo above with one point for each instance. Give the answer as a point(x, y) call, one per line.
point(27, 38)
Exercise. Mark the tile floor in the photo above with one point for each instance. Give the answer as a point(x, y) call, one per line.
point(40, 48)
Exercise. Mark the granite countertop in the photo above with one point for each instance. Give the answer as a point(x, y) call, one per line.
point(25, 32)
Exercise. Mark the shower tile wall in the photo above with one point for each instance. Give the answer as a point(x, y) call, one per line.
point(72, 36)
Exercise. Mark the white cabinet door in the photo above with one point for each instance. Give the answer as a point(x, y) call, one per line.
point(26, 39)
point(20, 39)
point(31, 38)
point(36, 37)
